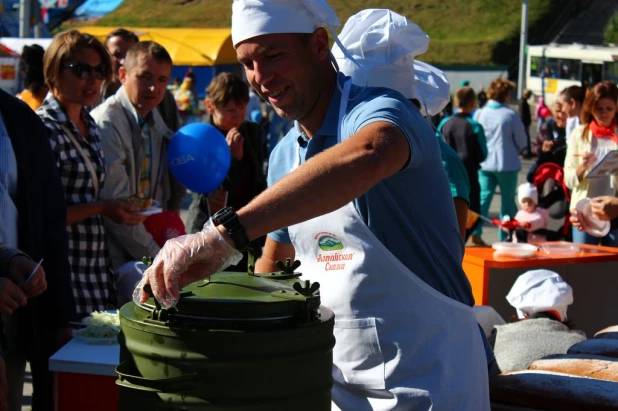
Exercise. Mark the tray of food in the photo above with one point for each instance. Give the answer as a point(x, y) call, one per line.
point(515, 250)
point(100, 327)
point(147, 205)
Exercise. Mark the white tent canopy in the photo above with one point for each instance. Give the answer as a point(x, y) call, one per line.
point(17, 44)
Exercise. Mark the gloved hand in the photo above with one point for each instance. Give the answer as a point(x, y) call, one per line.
point(184, 260)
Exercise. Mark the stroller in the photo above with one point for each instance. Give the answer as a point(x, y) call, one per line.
point(554, 197)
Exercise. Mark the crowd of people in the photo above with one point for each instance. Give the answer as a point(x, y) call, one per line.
point(91, 145)
point(570, 139)
point(94, 151)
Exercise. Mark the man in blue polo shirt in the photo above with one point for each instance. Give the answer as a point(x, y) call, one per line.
point(358, 195)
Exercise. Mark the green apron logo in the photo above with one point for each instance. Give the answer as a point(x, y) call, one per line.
point(329, 243)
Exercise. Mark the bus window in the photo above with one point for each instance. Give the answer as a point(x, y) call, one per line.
point(551, 68)
point(569, 69)
point(611, 71)
point(591, 74)
point(536, 64)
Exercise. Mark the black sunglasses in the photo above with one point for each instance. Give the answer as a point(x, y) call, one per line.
point(83, 70)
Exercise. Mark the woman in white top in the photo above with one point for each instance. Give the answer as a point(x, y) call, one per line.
point(572, 100)
point(590, 142)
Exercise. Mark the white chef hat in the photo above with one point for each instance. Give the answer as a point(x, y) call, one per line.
point(385, 43)
point(252, 18)
point(527, 190)
point(538, 291)
point(432, 88)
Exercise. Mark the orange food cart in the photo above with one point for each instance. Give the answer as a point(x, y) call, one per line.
point(593, 274)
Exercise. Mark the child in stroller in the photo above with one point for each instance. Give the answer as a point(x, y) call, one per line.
point(530, 216)
point(553, 197)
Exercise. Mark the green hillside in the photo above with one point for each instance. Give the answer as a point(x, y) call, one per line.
point(461, 31)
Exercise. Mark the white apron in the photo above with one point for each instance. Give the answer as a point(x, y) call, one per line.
point(401, 345)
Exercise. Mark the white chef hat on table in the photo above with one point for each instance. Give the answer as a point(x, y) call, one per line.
point(527, 190)
point(385, 44)
point(538, 291)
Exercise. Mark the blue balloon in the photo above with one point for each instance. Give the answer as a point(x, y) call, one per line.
point(199, 157)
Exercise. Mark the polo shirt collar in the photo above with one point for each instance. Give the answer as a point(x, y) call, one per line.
point(331, 121)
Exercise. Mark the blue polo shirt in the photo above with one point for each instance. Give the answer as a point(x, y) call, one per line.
point(411, 212)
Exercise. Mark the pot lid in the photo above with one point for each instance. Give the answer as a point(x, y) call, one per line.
point(242, 298)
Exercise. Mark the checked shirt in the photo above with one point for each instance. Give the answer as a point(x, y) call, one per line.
point(91, 276)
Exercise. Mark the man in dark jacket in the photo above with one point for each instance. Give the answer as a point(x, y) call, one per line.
point(467, 138)
point(526, 118)
point(36, 331)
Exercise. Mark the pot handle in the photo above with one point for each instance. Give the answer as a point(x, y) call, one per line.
point(126, 378)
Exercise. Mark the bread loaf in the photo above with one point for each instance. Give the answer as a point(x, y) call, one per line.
point(601, 368)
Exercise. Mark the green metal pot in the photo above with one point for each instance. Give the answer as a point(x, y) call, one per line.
point(235, 341)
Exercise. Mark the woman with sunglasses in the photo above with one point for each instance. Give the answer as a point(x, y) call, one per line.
point(75, 67)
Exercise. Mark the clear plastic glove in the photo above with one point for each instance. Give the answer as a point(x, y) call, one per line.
point(185, 260)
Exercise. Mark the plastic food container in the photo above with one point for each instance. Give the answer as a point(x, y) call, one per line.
point(562, 249)
point(589, 222)
point(515, 250)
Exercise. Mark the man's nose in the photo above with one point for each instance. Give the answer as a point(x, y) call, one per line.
point(262, 74)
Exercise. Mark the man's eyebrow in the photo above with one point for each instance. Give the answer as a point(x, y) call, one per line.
point(259, 51)
point(263, 49)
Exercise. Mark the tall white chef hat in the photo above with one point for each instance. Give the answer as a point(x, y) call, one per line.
point(527, 190)
point(432, 87)
point(538, 291)
point(385, 43)
point(252, 18)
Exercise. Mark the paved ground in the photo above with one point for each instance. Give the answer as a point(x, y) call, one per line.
point(490, 235)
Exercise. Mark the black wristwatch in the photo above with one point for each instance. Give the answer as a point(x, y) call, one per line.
point(228, 218)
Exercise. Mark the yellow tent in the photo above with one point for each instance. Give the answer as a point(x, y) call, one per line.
point(187, 47)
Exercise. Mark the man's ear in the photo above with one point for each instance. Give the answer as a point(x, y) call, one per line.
point(209, 106)
point(122, 75)
point(319, 44)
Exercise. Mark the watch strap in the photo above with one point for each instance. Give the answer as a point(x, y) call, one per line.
point(228, 218)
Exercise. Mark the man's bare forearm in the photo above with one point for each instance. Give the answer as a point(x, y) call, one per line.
point(329, 180)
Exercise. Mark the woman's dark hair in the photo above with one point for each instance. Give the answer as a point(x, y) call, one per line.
point(576, 93)
point(31, 67)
